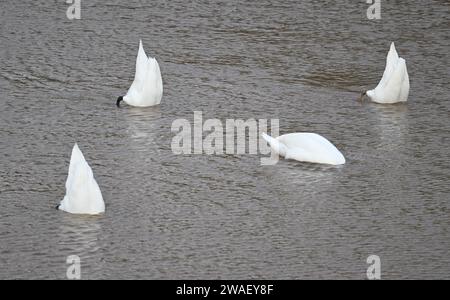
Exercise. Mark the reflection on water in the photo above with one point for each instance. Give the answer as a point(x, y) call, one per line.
point(391, 125)
point(142, 128)
point(206, 216)
point(83, 236)
point(79, 235)
point(142, 123)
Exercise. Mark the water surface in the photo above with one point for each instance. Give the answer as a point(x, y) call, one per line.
point(224, 217)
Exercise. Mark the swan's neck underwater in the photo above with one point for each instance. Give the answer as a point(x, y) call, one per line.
point(118, 101)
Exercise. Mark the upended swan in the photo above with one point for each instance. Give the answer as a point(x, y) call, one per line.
point(305, 147)
point(147, 87)
point(394, 85)
point(83, 196)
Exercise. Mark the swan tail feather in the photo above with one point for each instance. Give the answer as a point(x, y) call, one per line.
point(276, 146)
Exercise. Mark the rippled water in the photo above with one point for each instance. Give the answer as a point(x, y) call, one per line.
point(224, 217)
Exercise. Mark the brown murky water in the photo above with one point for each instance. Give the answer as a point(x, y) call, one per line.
point(224, 217)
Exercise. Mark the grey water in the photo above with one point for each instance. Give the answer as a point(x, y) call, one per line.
point(224, 216)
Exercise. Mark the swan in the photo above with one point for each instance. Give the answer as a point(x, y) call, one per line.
point(394, 85)
point(305, 147)
point(83, 196)
point(147, 87)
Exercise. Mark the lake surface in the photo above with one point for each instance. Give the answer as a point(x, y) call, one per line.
point(224, 216)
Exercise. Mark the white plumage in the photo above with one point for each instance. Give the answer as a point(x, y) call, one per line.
point(83, 195)
point(305, 147)
point(394, 85)
point(147, 87)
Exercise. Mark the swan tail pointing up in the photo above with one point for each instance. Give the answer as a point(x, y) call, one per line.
point(83, 195)
point(76, 159)
point(397, 88)
point(141, 62)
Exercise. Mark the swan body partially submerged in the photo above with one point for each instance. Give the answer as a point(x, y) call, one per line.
point(305, 147)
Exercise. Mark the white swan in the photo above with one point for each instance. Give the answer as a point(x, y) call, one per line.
point(83, 196)
point(306, 147)
point(147, 87)
point(394, 85)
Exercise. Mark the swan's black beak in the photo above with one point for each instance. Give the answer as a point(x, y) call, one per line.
point(118, 101)
point(361, 97)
